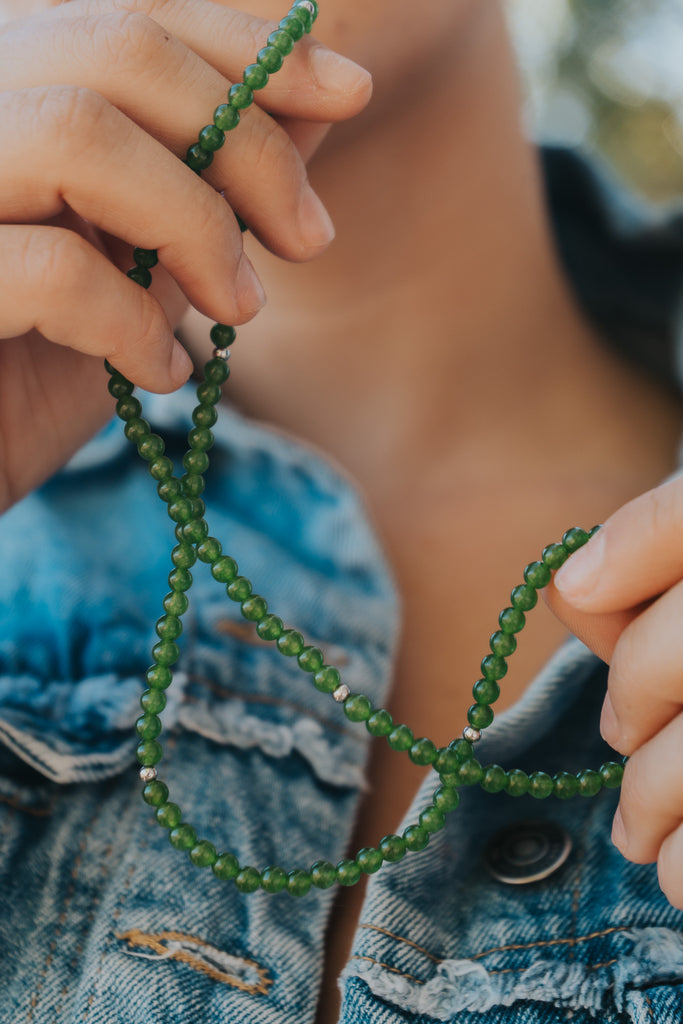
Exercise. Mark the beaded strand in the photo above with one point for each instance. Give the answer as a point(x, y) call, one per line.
point(455, 764)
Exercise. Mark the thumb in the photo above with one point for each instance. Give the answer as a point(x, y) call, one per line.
point(597, 630)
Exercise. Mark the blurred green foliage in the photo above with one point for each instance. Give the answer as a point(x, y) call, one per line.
point(608, 75)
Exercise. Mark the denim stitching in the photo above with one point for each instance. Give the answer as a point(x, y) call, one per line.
point(136, 937)
point(501, 949)
point(61, 920)
point(651, 1015)
point(37, 812)
point(387, 967)
point(581, 861)
point(504, 970)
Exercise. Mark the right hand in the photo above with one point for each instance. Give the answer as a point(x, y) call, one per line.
point(98, 101)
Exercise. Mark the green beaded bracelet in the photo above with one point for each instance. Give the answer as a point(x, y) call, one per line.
point(455, 765)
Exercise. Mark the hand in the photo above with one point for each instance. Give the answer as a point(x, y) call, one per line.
point(97, 104)
point(622, 594)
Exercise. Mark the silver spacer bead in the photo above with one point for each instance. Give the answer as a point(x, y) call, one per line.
point(470, 734)
point(148, 774)
point(221, 353)
point(341, 693)
point(307, 4)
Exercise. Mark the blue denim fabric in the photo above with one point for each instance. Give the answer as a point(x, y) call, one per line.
point(103, 922)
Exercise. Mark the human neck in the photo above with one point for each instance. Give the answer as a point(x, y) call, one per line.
point(439, 310)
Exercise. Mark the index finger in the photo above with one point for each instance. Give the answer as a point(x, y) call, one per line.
point(637, 555)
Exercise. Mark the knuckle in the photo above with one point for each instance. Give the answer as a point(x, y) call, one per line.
point(56, 258)
point(127, 40)
point(270, 146)
point(74, 116)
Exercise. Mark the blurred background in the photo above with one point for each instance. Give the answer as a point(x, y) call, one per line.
point(607, 76)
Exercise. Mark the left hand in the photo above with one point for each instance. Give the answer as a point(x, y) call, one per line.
point(622, 595)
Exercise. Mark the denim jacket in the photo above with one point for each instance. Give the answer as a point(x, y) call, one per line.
point(103, 922)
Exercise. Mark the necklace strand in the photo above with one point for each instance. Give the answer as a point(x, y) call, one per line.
point(455, 764)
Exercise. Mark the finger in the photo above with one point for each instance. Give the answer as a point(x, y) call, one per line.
point(112, 173)
point(645, 678)
point(669, 870)
point(314, 83)
point(172, 92)
point(599, 632)
point(636, 555)
point(651, 802)
point(54, 281)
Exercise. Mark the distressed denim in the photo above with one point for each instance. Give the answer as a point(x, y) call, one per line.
point(103, 922)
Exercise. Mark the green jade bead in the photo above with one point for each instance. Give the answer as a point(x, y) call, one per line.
point(226, 867)
point(494, 779)
point(192, 485)
point(254, 608)
point(380, 723)
point(270, 59)
point(203, 854)
point(159, 677)
point(611, 774)
point(486, 691)
point(589, 782)
point(416, 837)
point(270, 627)
point(446, 761)
point(161, 468)
point(311, 659)
point(203, 416)
point(211, 138)
point(145, 257)
point(282, 41)
point(240, 96)
point(516, 782)
point(200, 438)
point(470, 772)
point(292, 26)
point(555, 555)
point(153, 701)
point(225, 117)
point(169, 815)
point(209, 550)
point(298, 882)
point(180, 580)
point(537, 575)
point(155, 793)
point(166, 653)
point(290, 643)
point(255, 76)
point(512, 621)
point(169, 627)
point(273, 879)
point(140, 275)
point(446, 799)
point(323, 874)
point(540, 785)
point(223, 336)
point(575, 538)
point(480, 716)
point(502, 644)
point(565, 785)
point(196, 531)
point(422, 752)
point(327, 679)
point(239, 590)
point(348, 872)
point(224, 569)
point(432, 819)
point(148, 726)
point(183, 836)
point(400, 738)
point(149, 753)
point(524, 598)
point(217, 371)
point(248, 880)
point(197, 158)
point(357, 707)
point(392, 848)
point(196, 461)
point(369, 860)
point(493, 667)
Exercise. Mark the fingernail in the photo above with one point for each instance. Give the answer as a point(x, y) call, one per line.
point(619, 832)
point(181, 364)
point(609, 725)
point(250, 294)
point(336, 73)
point(314, 221)
point(579, 574)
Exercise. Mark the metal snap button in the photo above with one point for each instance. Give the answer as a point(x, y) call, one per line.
point(527, 851)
